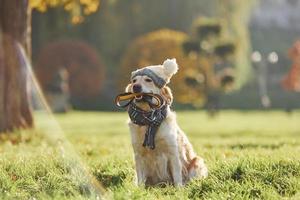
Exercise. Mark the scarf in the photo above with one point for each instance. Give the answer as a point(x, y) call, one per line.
point(152, 119)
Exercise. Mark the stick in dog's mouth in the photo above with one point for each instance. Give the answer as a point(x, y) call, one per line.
point(148, 97)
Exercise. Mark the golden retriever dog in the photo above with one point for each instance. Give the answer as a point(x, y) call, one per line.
point(172, 160)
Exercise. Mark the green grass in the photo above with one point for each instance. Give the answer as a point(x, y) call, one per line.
point(250, 155)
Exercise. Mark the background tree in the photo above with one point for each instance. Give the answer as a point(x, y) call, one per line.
point(15, 34)
point(154, 48)
point(119, 22)
point(208, 45)
point(235, 17)
point(82, 62)
point(291, 80)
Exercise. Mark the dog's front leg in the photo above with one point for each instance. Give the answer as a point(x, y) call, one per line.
point(140, 175)
point(176, 168)
point(136, 144)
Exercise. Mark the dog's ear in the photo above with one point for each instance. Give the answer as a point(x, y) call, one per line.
point(166, 93)
point(127, 89)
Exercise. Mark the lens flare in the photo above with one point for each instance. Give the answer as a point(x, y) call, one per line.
point(46, 123)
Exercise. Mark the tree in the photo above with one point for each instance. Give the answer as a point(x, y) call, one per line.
point(215, 56)
point(291, 81)
point(15, 35)
point(77, 9)
point(236, 15)
point(155, 47)
point(118, 23)
point(80, 60)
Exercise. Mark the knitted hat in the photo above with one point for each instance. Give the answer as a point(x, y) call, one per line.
point(160, 74)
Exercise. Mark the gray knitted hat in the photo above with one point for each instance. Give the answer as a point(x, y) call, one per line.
point(160, 74)
point(158, 81)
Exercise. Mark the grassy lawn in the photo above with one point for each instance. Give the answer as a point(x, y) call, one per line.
point(250, 155)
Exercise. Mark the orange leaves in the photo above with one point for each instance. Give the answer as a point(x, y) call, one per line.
point(292, 80)
point(77, 8)
point(90, 6)
point(82, 62)
point(40, 5)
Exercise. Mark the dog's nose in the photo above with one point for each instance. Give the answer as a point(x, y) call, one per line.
point(137, 88)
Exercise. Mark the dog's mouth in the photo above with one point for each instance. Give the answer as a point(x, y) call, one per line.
point(143, 98)
point(125, 99)
point(139, 97)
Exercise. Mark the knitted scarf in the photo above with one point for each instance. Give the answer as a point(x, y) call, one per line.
point(152, 119)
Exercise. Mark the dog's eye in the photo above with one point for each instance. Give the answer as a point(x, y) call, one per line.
point(148, 80)
point(134, 80)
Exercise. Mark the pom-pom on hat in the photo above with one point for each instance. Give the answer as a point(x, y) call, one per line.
point(160, 74)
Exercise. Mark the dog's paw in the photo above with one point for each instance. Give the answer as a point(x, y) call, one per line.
point(180, 184)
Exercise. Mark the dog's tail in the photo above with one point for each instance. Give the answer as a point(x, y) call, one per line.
point(197, 168)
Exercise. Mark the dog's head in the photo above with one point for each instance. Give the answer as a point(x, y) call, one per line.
point(153, 79)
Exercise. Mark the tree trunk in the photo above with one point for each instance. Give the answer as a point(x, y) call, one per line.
point(15, 111)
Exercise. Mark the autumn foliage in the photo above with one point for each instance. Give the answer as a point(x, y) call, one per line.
point(86, 72)
point(292, 80)
point(77, 9)
point(153, 48)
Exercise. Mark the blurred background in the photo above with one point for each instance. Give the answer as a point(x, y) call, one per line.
point(232, 54)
